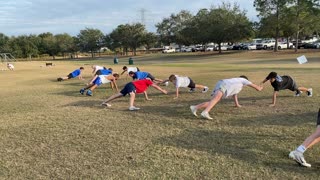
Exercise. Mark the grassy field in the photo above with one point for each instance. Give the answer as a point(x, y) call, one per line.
point(49, 131)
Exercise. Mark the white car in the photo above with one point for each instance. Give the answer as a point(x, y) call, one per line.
point(171, 50)
point(224, 48)
point(186, 49)
point(252, 46)
point(210, 48)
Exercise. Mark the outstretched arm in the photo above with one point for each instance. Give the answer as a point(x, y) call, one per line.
point(159, 88)
point(236, 102)
point(265, 80)
point(256, 87)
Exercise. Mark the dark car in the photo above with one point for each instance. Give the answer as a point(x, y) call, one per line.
point(315, 45)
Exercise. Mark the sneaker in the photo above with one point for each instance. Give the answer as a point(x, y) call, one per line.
point(59, 79)
point(89, 93)
point(205, 89)
point(298, 93)
point(106, 104)
point(206, 115)
point(309, 92)
point(82, 91)
point(194, 110)
point(298, 157)
point(192, 90)
point(133, 108)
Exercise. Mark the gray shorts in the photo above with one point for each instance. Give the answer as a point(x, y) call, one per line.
point(220, 86)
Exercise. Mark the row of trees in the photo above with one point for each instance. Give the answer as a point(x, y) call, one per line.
point(225, 23)
point(288, 18)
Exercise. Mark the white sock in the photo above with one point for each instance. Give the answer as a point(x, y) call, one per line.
point(301, 149)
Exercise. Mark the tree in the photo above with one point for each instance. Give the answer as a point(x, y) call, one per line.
point(170, 28)
point(272, 9)
point(149, 40)
point(65, 43)
point(223, 24)
point(127, 36)
point(90, 40)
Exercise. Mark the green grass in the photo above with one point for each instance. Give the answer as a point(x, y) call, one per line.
point(49, 131)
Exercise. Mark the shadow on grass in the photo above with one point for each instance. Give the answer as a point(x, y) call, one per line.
point(74, 93)
point(247, 147)
point(288, 119)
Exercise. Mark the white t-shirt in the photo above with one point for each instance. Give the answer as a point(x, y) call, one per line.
point(182, 81)
point(133, 69)
point(234, 85)
point(10, 66)
point(97, 68)
point(104, 79)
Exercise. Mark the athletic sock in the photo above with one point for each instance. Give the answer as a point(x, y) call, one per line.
point(301, 149)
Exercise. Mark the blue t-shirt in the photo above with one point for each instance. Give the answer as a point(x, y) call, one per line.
point(103, 72)
point(76, 73)
point(140, 75)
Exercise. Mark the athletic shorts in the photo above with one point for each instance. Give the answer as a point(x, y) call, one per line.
point(97, 81)
point(70, 76)
point(128, 88)
point(151, 77)
point(220, 86)
point(191, 84)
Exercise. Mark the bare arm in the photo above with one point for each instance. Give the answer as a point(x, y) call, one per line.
point(146, 96)
point(159, 88)
point(256, 87)
point(236, 102)
point(265, 80)
point(177, 93)
point(115, 85)
point(274, 98)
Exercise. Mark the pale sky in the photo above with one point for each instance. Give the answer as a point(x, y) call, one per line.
point(24, 17)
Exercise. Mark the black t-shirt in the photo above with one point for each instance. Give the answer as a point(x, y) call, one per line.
point(284, 82)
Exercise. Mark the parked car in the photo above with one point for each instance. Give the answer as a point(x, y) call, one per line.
point(198, 48)
point(169, 50)
point(252, 46)
point(186, 49)
point(266, 44)
point(315, 45)
point(284, 45)
point(224, 48)
point(210, 48)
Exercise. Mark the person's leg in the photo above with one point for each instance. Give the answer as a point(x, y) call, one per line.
point(199, 86)
point(115, 96)
point(303, 89)
point(216, 98)
point(94, 86)
point(131, 102)
point(312, 139)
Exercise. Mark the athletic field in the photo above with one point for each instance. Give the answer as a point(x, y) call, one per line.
point(48, 130)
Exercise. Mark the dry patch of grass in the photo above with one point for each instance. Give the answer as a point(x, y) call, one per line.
point(48, 130)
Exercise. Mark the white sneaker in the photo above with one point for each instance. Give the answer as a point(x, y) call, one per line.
point(194, 110)
point(298, 157)
point(206, 115)
point(205, 89)
point(309, 92)
point(133, 108)
point(106, 104)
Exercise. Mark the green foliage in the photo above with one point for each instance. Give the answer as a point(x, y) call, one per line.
point(90, 40)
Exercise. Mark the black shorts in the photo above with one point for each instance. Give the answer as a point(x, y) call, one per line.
point(70, 76)
point(318, 120)
point(192, 84)
point(128, 88)
point(151, 77)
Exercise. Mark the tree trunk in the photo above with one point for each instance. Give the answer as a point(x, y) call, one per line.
point(297, 26)
point(275, 49)
point(219, 48)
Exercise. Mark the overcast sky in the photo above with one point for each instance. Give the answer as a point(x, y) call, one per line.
point(24, 17)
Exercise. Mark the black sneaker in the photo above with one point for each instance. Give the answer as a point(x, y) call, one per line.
point(298, 93)
point(59, 79)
